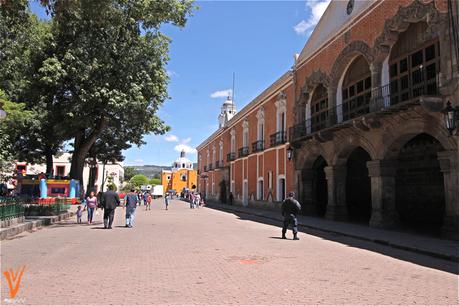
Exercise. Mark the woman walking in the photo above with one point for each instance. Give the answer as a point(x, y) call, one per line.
point(91, 204)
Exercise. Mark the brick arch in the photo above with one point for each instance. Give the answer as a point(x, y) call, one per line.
point(345, 148)
point(415, 12)
point(316, 78)
point(343, 60)
point(412, 129)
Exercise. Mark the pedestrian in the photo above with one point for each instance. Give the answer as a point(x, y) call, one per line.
point(149, 199)
point(231, 198)
point(131, 204)
point(166, 200)
point(191, 200)
point(198, 199)
point(91, 204)
point(111, 201)
point(79, 213)
point(145, 198)
point(290, 209)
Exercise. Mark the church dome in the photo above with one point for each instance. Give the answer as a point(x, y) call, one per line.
point(182, 162)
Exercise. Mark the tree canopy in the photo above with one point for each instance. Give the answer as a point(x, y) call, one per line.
point(94, 74)
point(138, 180)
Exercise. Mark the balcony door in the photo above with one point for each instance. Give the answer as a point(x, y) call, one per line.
point(414, 64)
point(319, 108)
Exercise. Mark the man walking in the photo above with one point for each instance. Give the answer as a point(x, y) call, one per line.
point(290, 208)
point(131, 204)
point(166, 200)
point(111, 200)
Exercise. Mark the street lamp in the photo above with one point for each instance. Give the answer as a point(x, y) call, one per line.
point(289, 152)
point(451, 115)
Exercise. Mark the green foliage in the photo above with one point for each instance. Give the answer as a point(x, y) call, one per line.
point(129, 172)
point(155, 181)
point(138, 180)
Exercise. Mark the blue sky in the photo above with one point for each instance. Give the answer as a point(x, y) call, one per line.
point(254, 39)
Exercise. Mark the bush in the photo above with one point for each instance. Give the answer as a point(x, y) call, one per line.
point(138, 180)
point(155, 181)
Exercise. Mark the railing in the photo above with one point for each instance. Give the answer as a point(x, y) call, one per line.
point(278, 138)
point(381, 98)
point(258, 146)
point(244, 151)
point(219, 164)
point(230, 156)
point(11, 208)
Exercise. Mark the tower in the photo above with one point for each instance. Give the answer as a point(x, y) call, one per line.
point(228, 110)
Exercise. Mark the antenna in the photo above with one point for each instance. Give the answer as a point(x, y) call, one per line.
point(232, 92)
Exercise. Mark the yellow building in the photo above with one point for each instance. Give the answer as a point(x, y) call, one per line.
point(181, 176)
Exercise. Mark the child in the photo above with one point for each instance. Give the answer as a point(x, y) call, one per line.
point(149, 199)
point(79, 213)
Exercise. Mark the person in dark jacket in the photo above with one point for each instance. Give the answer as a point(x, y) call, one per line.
point(111, 201)
point(290, 208)
point(132, 200)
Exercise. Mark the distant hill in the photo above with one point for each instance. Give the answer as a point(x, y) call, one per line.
point(154, 170)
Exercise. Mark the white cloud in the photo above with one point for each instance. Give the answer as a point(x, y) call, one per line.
point(221, 93)
point(186, 148)
point(138, 160)
point(171, 73)
point(316, 10)
point(186, 140)
point(171, 138)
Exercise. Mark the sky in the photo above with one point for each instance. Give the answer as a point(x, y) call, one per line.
point(256, 40)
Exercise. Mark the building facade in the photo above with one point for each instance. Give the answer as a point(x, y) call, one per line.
point(181, 176)
point(114, 172)
point(364, 108)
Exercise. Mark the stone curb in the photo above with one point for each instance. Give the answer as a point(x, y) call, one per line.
point(32, 223)
point(450, 257)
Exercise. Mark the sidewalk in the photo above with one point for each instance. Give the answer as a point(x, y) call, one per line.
point(440, 248)
point(32, 224)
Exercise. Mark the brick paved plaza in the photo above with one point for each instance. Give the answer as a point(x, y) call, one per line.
point(208, 256)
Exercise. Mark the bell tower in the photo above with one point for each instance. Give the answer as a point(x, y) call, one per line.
point(228, 110)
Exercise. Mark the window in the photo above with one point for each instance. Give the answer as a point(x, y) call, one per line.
point(270, 180)
point(319, 108)
point(60, 170)
point(168, 177)
point(260, 190)
point(183, 165)
point(184, 177)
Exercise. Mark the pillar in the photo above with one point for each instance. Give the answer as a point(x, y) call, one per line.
point(377, 101)
point(336, 183)
point(449, 167)
point(382, 174)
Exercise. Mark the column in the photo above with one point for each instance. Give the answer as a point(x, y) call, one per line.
point(336, 182)
point(377, 100)
point(448, 166)
point(382, 174)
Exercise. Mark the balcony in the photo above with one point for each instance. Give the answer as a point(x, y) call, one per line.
point(205, 168)
point(383, 100)
point(278, 138)
point(210, 167)
point(244, 151)
point(258, 146)
point(230, 156)
point(219, 164)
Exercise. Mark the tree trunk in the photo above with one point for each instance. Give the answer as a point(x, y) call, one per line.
point(82, 146)
point(49, 162)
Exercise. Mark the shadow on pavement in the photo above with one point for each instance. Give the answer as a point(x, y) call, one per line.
point(419, 259)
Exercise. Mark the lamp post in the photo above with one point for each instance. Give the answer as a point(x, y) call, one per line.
point(289, 153)
point(451, 115)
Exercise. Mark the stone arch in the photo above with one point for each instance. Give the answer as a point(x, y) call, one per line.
point(410, 129)
point(415, 12)
point(308, 154)
point(346, 56)
point(345, 148)
point(310, 83)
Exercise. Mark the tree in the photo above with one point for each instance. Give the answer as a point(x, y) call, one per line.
point(25, 42)
point(109, 59)
point(155, 181)
point(129, 172)
point(138, 180)
point(17, 118)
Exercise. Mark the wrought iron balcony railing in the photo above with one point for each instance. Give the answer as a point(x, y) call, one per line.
point(381, 99)
point(278, 138)
point(258, 146)
point(244, 151)
point(230, 156)
point(219, 164)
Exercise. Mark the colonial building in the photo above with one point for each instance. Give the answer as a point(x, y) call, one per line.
point(365, 107)
point(181, 176)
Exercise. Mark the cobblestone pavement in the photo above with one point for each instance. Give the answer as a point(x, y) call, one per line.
point(204, 256)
